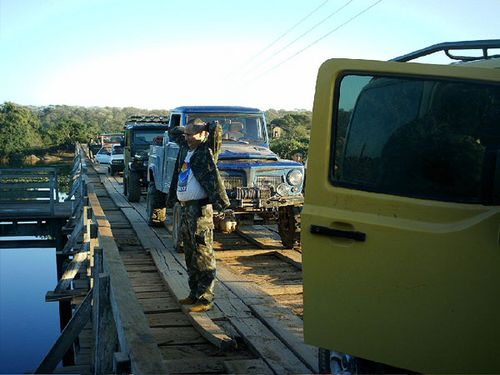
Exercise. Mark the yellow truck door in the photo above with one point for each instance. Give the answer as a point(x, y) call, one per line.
point(401, 222)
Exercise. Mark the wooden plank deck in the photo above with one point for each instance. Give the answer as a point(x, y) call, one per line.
point(170, 324)
point(248, 308)
point(248, 332)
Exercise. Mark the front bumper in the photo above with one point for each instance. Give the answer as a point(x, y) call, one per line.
point(117, 166)
point(255, 199)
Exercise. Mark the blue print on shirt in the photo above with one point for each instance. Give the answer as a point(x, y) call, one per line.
point(183, 177)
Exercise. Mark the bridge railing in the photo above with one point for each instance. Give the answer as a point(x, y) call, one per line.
point(123, 342)
point(115, 302)
point(26, 189)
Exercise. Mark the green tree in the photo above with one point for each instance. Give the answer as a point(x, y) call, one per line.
point(286, 147)
point(19, 129)
point(296, 128)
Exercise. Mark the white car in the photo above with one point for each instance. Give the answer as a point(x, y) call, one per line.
point(116, 160)
point(103, 155)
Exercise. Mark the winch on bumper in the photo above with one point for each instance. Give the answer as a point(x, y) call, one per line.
point(261, 198)
point(250, 190)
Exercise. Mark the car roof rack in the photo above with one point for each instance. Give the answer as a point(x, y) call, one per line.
point(482, 45)
point(147, 119)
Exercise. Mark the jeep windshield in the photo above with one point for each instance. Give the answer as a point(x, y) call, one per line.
point(423, 138)
point(144, 138)
point(238, 128)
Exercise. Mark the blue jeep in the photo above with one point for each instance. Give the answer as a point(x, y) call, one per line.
point(257, 181)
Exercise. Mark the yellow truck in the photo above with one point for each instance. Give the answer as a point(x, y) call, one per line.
point(401, 221)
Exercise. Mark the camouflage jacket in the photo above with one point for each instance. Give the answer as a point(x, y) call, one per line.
point(204, 169)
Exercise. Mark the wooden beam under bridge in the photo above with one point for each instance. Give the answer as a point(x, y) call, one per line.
point(27, 244)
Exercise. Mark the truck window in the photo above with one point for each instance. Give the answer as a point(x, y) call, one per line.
point(175, 120)
point(432, 139)
point(240, 128)
point(143, 139)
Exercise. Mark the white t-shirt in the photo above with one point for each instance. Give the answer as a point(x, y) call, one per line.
point(188, 187)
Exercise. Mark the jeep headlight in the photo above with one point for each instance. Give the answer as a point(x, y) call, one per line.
point(283, 190)
point(294, 177)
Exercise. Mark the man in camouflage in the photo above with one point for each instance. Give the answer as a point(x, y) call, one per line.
point(197, 185)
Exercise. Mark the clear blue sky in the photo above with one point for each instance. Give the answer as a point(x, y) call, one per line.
point(159, 54)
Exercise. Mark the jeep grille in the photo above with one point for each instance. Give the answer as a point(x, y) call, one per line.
point(263, 182)
point(231, 182)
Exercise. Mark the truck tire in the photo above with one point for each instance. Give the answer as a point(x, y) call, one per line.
point(336, 364)
point(289, 225)
point(133, 187)
point(155, 206)
point(176, 228)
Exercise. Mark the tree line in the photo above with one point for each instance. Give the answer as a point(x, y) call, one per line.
point(31, 129)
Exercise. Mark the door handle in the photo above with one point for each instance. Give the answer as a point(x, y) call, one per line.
point(353, 235)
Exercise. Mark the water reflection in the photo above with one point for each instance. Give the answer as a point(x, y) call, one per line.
point(28, 325)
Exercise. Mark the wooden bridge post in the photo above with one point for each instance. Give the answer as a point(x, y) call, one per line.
point(87, 238)
point(67, 337)
point(106, 337)
point(104, 327)
point(96, 270)
point(65, 312)
point(52, 176)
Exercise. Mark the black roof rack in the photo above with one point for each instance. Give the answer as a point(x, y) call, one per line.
point(147, 119)
point(482, 45)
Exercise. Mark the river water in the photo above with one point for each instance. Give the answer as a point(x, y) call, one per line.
point(29, 326)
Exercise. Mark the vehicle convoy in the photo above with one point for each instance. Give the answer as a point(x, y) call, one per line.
point(116, 159)
point(400, 226)
point(257, 181)
point(140, 131)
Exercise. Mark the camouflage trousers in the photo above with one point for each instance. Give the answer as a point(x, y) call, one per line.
point(196, 231)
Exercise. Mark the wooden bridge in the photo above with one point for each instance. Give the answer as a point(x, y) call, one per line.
point(124, 280)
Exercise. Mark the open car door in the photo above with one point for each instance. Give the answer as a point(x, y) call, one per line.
point(401, 223)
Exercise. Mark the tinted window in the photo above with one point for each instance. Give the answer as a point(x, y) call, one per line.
point(175, 120)
point(433, 139)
